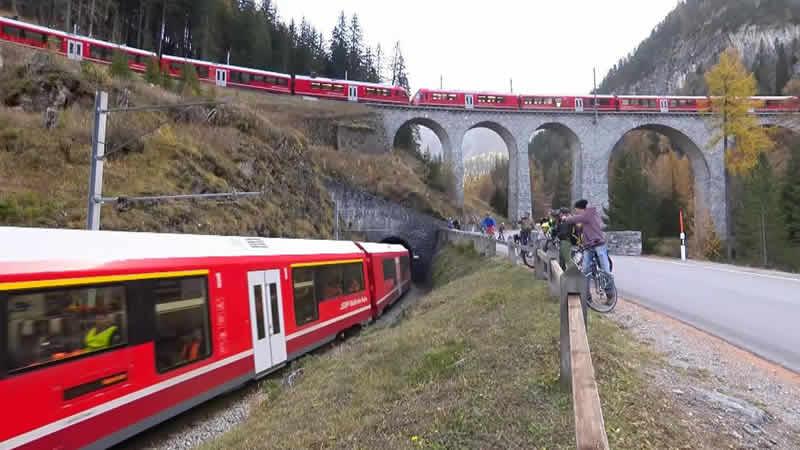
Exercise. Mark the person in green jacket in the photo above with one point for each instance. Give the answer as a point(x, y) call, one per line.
point(99, 340)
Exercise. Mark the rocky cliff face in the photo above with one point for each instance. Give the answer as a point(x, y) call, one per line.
point(689, 40)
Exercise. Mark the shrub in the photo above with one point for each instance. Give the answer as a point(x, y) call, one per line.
point(190, 83)
point(94, 73)
point(119, 66)
point(152, 73)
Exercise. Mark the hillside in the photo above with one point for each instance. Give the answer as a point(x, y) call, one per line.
point(274, 144)
point(688, 41)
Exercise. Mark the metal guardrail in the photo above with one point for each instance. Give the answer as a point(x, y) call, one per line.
point(576, 369)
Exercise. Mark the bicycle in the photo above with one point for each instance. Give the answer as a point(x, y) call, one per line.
point(602, 295)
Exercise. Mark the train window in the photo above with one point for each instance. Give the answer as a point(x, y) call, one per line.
point(34, 36)
point(135, 59)
point(257, 78)
point(99, 52)
point(389, 269)
point(282, 82)
point(273, 307)
point(673, 103)
point(202, 72)
point(315, 86)
point(12, 31)
point(53, 325)
point(258, 295)
point(305, 302)
point(405, 267)
point(182, 328)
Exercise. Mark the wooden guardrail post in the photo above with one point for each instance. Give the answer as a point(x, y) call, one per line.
point(590, 428)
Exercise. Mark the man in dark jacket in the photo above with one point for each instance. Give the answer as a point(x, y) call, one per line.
point(592, 234)
point(565, 233)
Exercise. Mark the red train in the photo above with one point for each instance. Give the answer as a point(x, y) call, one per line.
point(82, 48)
point(104, 334)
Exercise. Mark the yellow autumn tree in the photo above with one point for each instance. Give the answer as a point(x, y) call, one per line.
point(731, 87)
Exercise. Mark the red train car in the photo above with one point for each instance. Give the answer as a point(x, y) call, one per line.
point(104, 334)
point(390, 272)
point(468, 100)
point(650, 103)
point(567, 103)
point(354, 91)
point(776, 104)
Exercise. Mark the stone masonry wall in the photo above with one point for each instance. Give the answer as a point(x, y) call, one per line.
point(624, 243)
point(379, 219)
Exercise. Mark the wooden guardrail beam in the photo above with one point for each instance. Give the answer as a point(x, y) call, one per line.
point(590, 430)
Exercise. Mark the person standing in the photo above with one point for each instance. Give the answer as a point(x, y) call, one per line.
point(565, 233)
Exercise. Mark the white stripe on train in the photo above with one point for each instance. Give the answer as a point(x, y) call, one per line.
point(61, 424)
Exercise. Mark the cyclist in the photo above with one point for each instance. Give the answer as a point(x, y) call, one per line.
point(591, 235)
point(488, 224)
point(525, 226)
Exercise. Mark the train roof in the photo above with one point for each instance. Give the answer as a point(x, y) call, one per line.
point(82, 249)
point(32, 26)
point(353, 82)
point(567, 95)
point(693, 97)
point(373, 247)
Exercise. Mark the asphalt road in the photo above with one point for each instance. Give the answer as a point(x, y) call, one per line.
point(756, 310)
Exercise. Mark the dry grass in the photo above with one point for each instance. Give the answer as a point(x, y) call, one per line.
point(396, 176)
point(277, 143)
point(474, 366)
point(44, 173)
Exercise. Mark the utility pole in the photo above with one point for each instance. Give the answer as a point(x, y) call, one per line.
point(98, 156)
point(336, 220)
point(511, 84)
point(441, 82)
point(594, 82)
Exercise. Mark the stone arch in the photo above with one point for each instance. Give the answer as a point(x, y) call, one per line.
point(684, 144)
point(513, 163)
point(574, 147)
point(438, 130)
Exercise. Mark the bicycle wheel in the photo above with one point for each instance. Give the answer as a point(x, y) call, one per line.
point(527, 258)
point(602, 293)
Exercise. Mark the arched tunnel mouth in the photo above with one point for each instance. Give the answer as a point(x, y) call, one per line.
point(418, 270)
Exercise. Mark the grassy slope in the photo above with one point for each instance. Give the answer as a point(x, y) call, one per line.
point(474, 365)
point(256, 142)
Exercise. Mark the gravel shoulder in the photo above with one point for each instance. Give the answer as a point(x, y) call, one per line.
point(718, 385)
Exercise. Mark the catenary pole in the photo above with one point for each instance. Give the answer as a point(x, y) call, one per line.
point(98, 155)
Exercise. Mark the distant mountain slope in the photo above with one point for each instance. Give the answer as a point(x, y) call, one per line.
point(688, 41)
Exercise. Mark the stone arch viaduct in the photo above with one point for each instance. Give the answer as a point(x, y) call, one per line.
point(591, 141)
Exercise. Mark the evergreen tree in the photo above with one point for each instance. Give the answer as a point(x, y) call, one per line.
point(407, 137)
point(631, 201)
point(760, 236)
point(790, 198)
point(783, 70)
point(562, 194)
point(355, 50)
point(338, 52)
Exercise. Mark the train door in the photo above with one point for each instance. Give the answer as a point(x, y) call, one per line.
point(222, 77)
point(266, 317)
point(352, 93)
point(663, 104)
point(578, 105)
point(469, 101)
point(74, 50)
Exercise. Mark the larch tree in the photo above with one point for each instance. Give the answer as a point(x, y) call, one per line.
point(730, 87)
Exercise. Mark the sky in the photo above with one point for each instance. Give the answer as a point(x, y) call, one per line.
point(545, 46)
